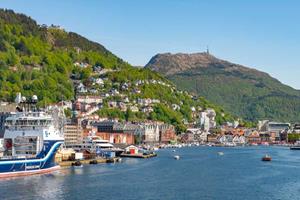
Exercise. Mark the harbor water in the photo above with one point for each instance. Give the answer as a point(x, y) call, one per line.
point(200, 173)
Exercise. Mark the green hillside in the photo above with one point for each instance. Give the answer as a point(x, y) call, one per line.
point(243, 91)
point(36, 59)
point(51, 63)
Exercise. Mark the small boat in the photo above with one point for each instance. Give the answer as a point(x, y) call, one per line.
point(174, 150)
point(155, 148)
point(176, 157)
point(266, 158)
point(77, 164)
point(296, 146)
point(93, 162)
point(221, 153)
point(111, 160)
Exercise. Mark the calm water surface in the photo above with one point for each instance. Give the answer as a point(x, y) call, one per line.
point(200, 174)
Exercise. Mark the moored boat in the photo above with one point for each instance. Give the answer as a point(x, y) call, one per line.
point(31, 140)
point(176, 157)
point(296, 146)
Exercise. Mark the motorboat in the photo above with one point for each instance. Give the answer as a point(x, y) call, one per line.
point(176, 157)
point(266, 158)
point(296, 146)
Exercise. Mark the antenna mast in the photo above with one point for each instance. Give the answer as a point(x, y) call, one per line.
point(207, 50)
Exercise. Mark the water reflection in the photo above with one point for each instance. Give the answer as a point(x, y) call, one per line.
point(200, 174)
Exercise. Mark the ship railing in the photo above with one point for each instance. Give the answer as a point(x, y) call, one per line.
point(26, 127)
point(16, 157)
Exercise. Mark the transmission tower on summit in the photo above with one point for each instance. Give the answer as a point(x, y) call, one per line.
point(207, 50)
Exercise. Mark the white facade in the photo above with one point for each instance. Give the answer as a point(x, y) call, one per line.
point(28, 131)
point(149, 132)
point(89, 99)
point(207, 119)
point(239, 140)
point(199, 135)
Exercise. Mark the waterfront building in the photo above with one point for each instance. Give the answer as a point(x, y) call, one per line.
point(254, 137)
point(187, 137)
point(223, 139)
point(72, 132)
point(167, 133)
point(212, 138)
point(194, 135)
point(149, 132)
point(116, 132)
point(131, 149)
point(265, 137)
point(239, 140)
point(268, 126)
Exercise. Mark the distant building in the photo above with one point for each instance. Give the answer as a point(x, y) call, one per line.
point(116, 132)
point(194, 135)
point(254, 137)
point(167, 133)
point(89, 99)
point(266, 125)
point(240, 140)
point(72, 133)
point(296, 128)
point(5, 111)
point(149, 132)
point(175, 107)
point(81, 88)
point(134, 108)
point(207, 119)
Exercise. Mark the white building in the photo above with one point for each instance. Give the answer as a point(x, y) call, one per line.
point(134, 108)
point(149, 132)
point(175, 107)
point(277, 127)
point(198, 134)
point(207, 119)
point(239, 140)
point(89, 99)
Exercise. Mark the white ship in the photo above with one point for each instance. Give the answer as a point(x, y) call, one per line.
point(31, 139)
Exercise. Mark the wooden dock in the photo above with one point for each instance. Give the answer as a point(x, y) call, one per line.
point(138, 155)
point(89, 161)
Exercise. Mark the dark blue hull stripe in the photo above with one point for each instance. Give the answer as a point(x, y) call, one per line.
point(31, 164)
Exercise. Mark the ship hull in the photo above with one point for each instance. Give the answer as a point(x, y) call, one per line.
point(43, 163)
point(28, 173)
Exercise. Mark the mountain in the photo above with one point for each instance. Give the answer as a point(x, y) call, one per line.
point(58, 65)
point(243, 91)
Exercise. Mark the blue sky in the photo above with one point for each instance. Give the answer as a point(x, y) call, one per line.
point(263, 34)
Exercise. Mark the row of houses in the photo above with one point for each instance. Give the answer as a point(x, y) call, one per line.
point(120, 132)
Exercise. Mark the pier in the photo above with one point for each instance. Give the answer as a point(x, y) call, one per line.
point(89, 161)
point(139, 155)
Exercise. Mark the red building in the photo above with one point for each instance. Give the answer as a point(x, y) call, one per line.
point(117, 138)
point(167, 133)
point(254, 137)
point(117, 133)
